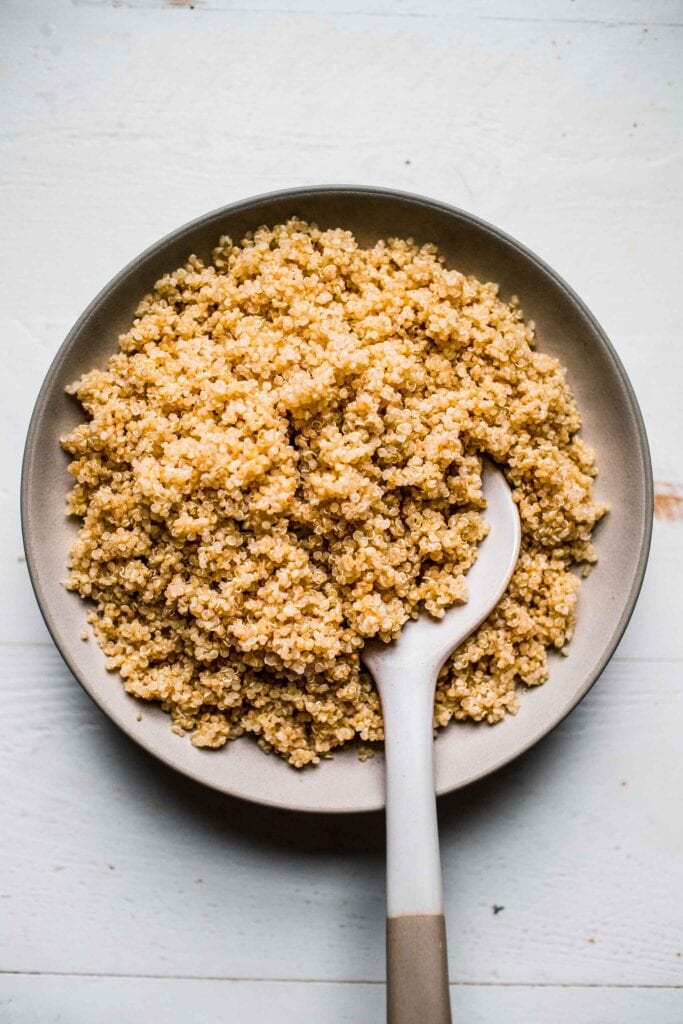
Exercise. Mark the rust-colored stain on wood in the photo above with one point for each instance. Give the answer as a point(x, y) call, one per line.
point(180, 3)
point(669, 502)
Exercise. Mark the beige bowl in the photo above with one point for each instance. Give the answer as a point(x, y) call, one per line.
point(612, 426)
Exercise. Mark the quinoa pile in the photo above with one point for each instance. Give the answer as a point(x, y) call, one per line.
point(284, 459)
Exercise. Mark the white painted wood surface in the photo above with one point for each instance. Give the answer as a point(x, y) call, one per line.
point(176, 1001)
point(129, 894)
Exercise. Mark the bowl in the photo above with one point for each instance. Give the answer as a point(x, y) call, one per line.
point(612, 426)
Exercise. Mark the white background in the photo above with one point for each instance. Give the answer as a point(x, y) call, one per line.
point(131, 895)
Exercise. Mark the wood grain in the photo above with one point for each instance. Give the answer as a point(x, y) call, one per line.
point(669, 502)
point(158, 876)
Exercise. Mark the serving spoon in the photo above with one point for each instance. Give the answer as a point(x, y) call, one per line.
point(405, 672)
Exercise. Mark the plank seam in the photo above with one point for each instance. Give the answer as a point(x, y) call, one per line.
point(333, 981)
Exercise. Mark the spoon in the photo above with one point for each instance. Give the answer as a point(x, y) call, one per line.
point(405, 672)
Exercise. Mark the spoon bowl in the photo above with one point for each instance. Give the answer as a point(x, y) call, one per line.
point(426, 641)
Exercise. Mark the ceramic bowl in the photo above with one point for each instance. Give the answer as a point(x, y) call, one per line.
point(612, 426)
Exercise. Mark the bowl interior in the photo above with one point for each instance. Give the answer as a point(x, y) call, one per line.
point(611, 425)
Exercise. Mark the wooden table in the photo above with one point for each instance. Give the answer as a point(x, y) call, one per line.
point(131, 896)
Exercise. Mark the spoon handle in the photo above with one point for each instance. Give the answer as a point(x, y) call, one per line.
point(417, 967)
point(417, 970)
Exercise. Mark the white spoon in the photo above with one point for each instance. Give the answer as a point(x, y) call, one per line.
point(405, 672)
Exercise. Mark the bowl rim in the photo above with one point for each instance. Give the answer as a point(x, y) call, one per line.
point(310, 191)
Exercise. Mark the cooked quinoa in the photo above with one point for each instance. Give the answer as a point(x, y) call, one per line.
point(284, 459)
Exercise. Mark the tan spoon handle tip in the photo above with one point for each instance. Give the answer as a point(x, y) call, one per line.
point(417, 970)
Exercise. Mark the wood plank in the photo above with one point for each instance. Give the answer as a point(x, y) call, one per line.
point(24, 362)
point(609, 13)
point(613, 174)
point(113, 864)
point(503, 75)
point(27, 999)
